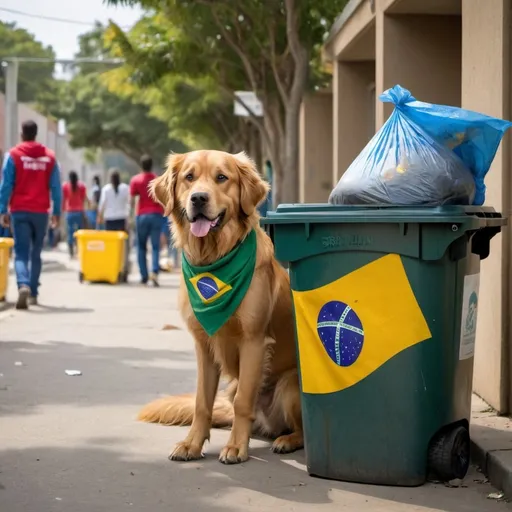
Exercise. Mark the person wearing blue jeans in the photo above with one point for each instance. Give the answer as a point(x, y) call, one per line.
point(74, 196)
point(148, 221)
point(74, 222)
point(30, 174)
point(149, 227)
point(29, 231)
point(172, 251)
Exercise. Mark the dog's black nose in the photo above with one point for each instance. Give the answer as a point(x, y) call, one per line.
point(199, 198)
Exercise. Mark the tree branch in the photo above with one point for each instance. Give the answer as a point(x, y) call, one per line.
point(236, 48)
point(292, 30)
point(299, 53)
point(279, 83)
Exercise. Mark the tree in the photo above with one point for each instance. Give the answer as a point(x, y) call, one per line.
point(267, 46)
point(98, 118)
point(192, 110)
point(34, 78)
point(197, 113)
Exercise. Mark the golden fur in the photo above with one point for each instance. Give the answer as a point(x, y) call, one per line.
point(255, 348)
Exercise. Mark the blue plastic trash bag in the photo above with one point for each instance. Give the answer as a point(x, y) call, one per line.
point(424, 154)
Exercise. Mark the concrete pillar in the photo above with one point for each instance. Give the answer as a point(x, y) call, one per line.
point(486, 89)
point(315, 171)
point(353, 109)
point(422, 54)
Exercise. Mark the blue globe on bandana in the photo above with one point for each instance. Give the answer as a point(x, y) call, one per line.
point(207, 287)
point(341, 332)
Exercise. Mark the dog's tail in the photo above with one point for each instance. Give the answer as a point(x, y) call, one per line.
point(179, 410)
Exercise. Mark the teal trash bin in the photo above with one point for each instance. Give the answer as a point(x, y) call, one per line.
point(385, 303)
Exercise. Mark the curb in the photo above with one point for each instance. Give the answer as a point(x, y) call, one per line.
point(496, 465)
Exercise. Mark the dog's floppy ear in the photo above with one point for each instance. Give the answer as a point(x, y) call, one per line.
point(253, 188)
point(163, 188)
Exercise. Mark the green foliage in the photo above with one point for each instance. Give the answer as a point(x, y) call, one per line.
point(196, 109)
point(99, 118)
point(271, 47)
point(35, 78)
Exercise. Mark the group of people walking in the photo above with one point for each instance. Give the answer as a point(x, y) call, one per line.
point(31, 187)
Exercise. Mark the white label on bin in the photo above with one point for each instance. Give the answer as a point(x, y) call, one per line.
point(95, 245)
point(469, 316)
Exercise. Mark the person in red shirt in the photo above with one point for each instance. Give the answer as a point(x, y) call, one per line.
point(74, 199)
point(30, 174)
point(148, 223)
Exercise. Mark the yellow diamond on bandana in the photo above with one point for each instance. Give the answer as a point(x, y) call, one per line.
point(208, 287)
point(349, 328)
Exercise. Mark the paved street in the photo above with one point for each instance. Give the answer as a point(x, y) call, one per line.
point(71, 443)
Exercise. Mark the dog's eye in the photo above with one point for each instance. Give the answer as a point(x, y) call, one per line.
point(189, 177)
point(221, 178)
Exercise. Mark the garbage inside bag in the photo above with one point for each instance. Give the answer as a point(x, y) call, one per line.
point(424, 154)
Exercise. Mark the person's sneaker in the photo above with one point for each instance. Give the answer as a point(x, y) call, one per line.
point(23, 296)
point(32, 301)
point(144, 282)
point(154, 280)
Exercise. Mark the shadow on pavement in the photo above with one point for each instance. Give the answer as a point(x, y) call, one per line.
point(97, 478)
point(41, 309)
point(110, 375)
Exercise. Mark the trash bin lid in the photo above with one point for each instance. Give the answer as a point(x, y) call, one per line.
point(94, 234)
point(6, 243)
point(327, 213)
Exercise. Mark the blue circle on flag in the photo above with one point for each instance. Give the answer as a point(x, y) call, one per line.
point(207, 287)
point(341, 332)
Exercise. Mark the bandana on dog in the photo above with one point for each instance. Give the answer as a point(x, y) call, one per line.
point(215, 291)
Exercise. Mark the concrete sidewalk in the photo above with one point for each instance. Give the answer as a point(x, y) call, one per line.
point(71, 443)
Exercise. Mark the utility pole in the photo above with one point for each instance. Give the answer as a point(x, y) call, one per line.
point(10, 67)
point(11, 104)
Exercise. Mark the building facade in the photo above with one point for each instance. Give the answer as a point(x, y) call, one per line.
point(453, 52)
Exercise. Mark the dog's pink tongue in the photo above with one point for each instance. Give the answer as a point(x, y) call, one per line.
point(200, 227)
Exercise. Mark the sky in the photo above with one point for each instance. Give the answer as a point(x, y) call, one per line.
point(62, 36)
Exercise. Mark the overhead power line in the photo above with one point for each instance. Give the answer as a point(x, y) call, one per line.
point(51, 18)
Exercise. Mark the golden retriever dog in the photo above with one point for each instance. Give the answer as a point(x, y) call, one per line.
point(255, 348)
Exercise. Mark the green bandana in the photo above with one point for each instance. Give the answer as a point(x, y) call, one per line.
point(215, 291)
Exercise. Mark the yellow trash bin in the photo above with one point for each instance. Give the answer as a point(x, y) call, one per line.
point(101, 255)
point(5, 247)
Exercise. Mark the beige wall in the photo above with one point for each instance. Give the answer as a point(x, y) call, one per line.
point(408, 54)
point(315, 172)
point(353, 112)
point(454, 52)
point(486, 88)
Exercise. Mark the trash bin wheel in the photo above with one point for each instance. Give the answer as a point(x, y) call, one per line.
point(124, 276)
point(449, 454)
point(81, 277)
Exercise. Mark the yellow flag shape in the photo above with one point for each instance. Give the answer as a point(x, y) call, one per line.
point(350, 327)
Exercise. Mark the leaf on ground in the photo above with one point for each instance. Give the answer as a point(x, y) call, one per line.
point(170, 327)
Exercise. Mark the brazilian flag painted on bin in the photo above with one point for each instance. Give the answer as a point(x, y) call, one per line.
point(349, 328)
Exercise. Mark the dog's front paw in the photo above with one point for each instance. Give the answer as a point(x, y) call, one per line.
point(232, 454)
point(185, 451)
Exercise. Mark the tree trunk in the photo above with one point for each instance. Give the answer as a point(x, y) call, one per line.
point(254, 147)
point(292, 129)
point(274, 128)
point(291, 155)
